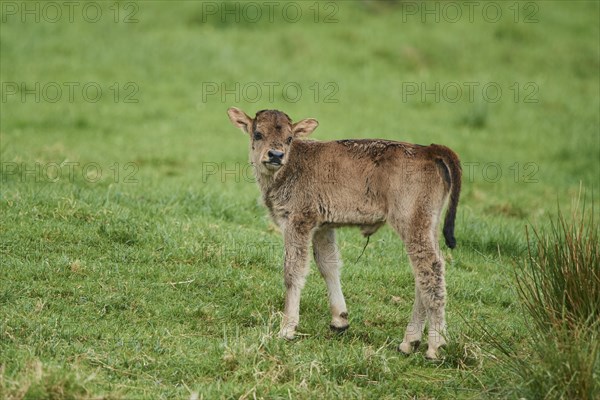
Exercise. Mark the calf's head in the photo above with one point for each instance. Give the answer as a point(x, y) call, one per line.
point(271, 135)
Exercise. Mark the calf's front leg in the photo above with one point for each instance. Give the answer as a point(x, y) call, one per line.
point(327, 257)
point(295, 269)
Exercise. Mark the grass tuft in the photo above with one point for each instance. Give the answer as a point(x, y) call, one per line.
point(559, 288)
point(560, 283)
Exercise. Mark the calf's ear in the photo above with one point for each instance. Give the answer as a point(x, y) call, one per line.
point(240, 119)
point(305, 127)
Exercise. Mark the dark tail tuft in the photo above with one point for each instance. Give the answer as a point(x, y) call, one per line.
point(453, 164)
point(449, 232)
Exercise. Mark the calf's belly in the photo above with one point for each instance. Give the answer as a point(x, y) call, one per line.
point(355, 214)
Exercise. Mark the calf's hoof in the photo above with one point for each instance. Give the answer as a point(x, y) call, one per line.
point(288, 333)
point(339, 329)
point(409, 347)
point(340, 323)
point(433, 354)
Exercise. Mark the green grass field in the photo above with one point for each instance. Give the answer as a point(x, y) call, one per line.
point(136, 260)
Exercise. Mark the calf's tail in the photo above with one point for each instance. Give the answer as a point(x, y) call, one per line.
point(452, 164)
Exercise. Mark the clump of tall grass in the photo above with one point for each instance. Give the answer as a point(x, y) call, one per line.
point(558, 283)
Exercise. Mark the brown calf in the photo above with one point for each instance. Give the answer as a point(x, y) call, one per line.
point(312, 187)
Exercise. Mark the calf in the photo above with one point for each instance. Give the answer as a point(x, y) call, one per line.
point(312, 187)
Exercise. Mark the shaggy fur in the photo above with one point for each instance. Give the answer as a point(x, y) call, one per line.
point(312, 187)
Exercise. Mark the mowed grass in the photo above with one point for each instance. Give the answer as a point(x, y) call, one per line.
point(156, 273)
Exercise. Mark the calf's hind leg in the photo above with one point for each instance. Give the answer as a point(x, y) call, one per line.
point(430, 288)
point(428, 267)
point(414, 330)
point(328, 261)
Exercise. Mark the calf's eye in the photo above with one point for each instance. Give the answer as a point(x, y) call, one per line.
point(289, 140)
point(258, 136)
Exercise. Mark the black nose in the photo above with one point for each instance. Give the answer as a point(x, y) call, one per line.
point(275, 156)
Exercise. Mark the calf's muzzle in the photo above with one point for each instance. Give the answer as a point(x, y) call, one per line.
point(275, 156)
